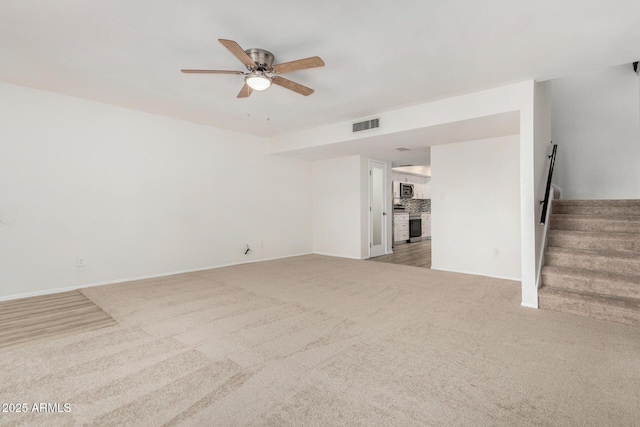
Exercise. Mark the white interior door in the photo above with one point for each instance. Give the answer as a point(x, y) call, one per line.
point(377, 209)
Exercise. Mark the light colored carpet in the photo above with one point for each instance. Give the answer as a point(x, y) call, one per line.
point(592, 260)
point(317, 341)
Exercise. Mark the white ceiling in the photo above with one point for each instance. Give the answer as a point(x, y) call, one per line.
point(379, 54)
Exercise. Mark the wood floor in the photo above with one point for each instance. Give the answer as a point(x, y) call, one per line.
point(415, 254)
point(28, 320)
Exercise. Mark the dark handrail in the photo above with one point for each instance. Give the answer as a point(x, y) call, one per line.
point(545, 202)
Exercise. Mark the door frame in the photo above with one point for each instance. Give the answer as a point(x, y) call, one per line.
point(384, 221)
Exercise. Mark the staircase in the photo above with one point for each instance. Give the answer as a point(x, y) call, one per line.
point(592, 260)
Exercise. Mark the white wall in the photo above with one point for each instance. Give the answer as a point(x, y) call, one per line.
point(596, 124)
point(475, 207)
point(135, 194)
point(341, 207)
point(337, 207)
point(541, 151)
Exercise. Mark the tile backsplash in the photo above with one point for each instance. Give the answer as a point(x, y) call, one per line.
point(415, 205)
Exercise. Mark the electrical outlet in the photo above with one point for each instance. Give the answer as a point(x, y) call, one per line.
point(80, 262)
point(496, 252)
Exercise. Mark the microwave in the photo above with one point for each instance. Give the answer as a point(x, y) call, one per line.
point(406, 190)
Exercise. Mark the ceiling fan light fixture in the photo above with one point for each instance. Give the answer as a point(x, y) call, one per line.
point(258, 81)
point(261, 71)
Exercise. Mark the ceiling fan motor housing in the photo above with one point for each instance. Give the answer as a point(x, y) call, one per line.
point(262, 58)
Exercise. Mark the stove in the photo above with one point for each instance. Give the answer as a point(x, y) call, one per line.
point(415, 228)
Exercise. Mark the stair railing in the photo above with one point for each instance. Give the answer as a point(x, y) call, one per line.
point(545, 202)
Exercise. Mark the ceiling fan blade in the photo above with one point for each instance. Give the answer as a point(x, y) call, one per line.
point(245, 91)
point(288, 84)
point(300, 64)
point(211, 72)
point(238, 52)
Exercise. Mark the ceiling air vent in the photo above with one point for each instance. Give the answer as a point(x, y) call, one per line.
point(368, 124)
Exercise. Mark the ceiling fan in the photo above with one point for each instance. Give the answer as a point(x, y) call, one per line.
point(261, 71)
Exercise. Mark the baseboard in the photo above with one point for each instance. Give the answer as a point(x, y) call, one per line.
point(131, 279)
point(339, 256)
point(50, 291)
point(518, 279)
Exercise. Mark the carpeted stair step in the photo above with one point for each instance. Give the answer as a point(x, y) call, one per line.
point(596, 223)
point(578, 280)
point(597, 207)
point(592, 240)
point(603, 307)
point(592, 260)
point(625, 263)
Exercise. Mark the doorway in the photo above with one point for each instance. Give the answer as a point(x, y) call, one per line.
point(377, 208)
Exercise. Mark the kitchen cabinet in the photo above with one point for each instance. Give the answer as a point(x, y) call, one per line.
point(418, 190)
point(402, 177)
point(396, 189)
point(426, 225)
point(421, 185)
point(427, 189)
point(422, 188)
point(400, 227)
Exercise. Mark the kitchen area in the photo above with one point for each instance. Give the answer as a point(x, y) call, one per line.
point(411, 217)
